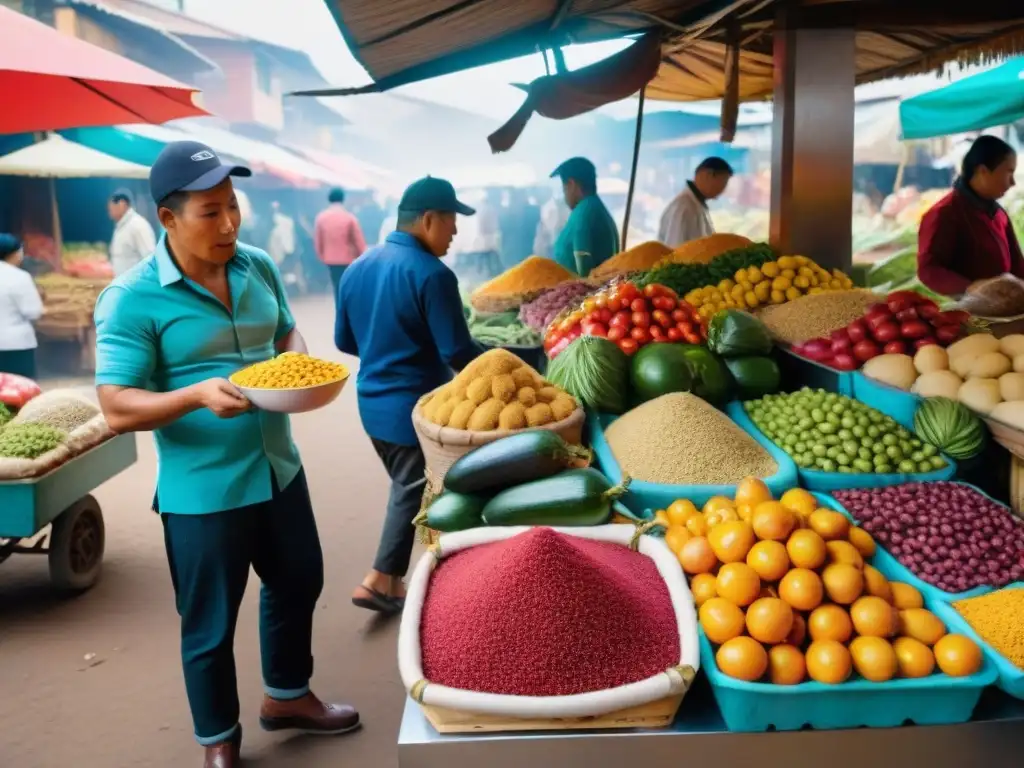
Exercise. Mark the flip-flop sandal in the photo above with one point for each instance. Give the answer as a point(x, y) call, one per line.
point(377, 601)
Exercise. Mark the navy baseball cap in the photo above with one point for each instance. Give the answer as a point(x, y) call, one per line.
point(189, 166)
point(578, 168)
point(430, 194)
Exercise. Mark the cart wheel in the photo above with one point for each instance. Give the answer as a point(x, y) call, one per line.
point(76, 546)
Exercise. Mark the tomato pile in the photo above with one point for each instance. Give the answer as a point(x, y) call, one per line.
point(630, 317)
point(904, 323)
point(15, 390)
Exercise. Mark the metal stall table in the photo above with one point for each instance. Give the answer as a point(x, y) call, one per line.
point(993, 739)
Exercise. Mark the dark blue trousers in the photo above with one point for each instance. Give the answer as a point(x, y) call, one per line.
point(210, 556)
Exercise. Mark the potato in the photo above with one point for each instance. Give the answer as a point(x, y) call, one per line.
point(539, 415)
point(974, 345)
point(547, 394)
point(1018, 363)
point(961, 365)
point(1011, 386)
point(1012, 345)
point(527, 396)
point(523, 377)
point(512, 416)
point(937, 384)
point(443, 413)
point(981, 395)
point(990, 365)
point(1009, 413)
point(479, 389)
point(503, 387)
point(485, 416)
point(461, 415)
point(895, 370)
point(562, 407)
point(931, 358)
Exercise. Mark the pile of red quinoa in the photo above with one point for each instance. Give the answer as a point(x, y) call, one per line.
point(545, 614)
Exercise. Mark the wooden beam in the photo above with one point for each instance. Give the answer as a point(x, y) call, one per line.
point(812, 142)
point(906, 14)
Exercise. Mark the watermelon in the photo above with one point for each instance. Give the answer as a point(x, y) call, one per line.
point(754, 376)
point(659, 369)
point(951, 427)
point(733, 333)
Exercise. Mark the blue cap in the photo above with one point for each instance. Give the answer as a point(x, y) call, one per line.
point(189, 166)
point(430, 194)
point(578, 168)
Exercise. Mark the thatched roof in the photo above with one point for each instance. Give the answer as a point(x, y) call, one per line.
point(893, 39)
point(403, 41)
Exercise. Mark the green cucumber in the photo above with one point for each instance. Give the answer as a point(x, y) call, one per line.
point(452, 512)
point(574, 497)
point(511, 461)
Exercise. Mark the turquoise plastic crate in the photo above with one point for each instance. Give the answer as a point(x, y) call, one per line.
point(816, 480)
point(891, 401)
point(934, 700)
point(800, 372)
point(894, 570)
point(1011, 677)
point(647, 496)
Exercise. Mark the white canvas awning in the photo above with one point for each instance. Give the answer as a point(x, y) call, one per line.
point(57, 158)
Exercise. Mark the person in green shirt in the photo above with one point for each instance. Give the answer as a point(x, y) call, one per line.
point(590, 237)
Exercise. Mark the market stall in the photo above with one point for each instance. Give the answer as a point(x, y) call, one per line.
point(55, 449)
point(788, 444)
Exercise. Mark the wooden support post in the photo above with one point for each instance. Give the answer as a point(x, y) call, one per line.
point(812, 142)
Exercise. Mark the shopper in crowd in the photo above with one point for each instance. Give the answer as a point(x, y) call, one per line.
point(400, 313)
point(133, 238)
point(20, 306)
point(519, 222)
point(337, 237)
point(231, 491)
point(370, 214)
point(590, 236)
point(554, 213)
point(967, 236)
point(687, 217)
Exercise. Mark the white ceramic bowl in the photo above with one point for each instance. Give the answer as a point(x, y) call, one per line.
point(295, 400)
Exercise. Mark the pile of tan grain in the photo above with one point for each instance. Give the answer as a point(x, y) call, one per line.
point(815, 315)
point(679, 439)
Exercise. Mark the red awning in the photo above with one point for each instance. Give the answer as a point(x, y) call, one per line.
point(51, 81)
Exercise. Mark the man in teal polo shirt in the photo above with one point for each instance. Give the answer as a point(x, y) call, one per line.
point(590, 236)
point(231, 489)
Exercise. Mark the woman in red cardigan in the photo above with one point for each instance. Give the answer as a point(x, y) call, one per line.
point(967, 236)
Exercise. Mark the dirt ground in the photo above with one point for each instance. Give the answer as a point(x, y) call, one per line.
point(96, 681)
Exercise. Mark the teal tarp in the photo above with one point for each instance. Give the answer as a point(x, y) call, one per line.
point(991, 98)
point(117, 143)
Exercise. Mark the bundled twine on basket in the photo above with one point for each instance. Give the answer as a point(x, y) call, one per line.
point(431, 490)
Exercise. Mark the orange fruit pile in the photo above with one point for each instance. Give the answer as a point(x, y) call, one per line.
point(786, 593)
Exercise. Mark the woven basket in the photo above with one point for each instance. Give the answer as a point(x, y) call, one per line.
point(493, 305)
point(1011, 438)
point(442, 446)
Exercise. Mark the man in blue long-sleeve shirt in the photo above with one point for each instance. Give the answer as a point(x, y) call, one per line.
point(400, 313)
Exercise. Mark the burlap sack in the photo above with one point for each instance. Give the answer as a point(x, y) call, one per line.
point(89, 435)
point(23, 469)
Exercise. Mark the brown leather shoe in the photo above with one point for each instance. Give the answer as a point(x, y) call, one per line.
point(223, 755)
point(308, 714)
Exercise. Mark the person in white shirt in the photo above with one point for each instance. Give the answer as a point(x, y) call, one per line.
point(20, 306)
point(687, 217)
point(133, 239)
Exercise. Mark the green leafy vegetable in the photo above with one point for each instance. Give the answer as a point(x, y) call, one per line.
point(594, 371)
point(29, 441)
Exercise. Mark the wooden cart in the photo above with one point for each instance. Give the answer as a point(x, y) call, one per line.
point(57, 516)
